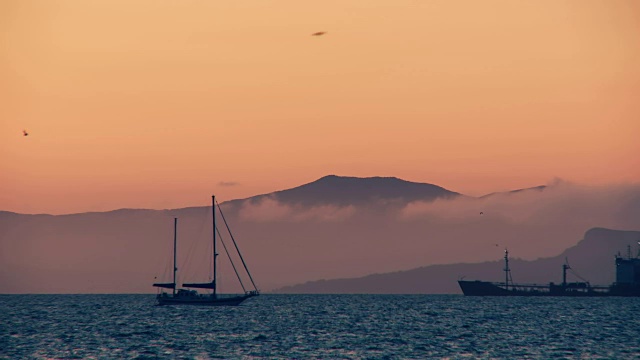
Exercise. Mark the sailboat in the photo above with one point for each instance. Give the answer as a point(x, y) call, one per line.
point(192, 297)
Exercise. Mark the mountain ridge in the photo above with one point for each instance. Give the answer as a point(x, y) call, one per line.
point(288, 243)
point(350, 190)
point(335, 190)
point(539, 188)
point(592, 255)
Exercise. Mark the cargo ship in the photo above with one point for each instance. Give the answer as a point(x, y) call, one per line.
point(627, 283)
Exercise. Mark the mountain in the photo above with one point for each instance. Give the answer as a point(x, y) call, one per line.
point(344, 191)
point(335, 227)
point(592, 259)
point(540, 188)
point(124, 250)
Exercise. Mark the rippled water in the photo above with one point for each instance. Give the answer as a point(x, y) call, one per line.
point(320, 326)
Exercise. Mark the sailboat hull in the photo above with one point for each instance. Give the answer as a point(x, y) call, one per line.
point(166, 299)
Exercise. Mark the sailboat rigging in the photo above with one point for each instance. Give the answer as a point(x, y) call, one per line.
point(192, 297)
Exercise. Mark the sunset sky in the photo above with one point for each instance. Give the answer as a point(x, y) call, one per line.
point(159, 104)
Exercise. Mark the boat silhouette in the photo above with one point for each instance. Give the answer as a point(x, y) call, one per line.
point(627, 283)
point(192, 297)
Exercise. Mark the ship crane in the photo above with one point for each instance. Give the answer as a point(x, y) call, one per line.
point(507, 271)
point(565, 267)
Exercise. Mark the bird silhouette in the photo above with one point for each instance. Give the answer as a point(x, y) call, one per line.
point(481, 213)
point(319, 33)
point(25, 133)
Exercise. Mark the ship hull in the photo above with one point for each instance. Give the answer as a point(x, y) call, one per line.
point(485, 288)
point(203, 300)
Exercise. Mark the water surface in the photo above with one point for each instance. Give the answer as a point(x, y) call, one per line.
point(320, 326)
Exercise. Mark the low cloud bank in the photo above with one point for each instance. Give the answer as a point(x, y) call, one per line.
point(605, 206)
point(615, 206)
point(367, 239)
point(270, 210)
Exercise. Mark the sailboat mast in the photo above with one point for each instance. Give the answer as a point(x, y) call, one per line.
point(215, 253)
point(175, 238)
point(506, 269)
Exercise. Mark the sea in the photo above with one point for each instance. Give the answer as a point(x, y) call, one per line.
point(320, 327)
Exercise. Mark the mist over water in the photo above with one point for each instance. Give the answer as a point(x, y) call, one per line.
point(319, 326)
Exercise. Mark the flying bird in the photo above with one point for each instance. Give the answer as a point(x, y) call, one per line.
point(481, 213)
point(319, 33)
point(25, 133)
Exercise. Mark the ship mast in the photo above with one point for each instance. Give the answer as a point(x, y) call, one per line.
point(175, 267)
point(565, 267)
point(215, 254)
point(506, 269)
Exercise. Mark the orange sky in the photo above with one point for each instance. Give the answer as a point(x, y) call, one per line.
point(155, 104)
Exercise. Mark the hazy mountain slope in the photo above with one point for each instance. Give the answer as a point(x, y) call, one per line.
point(531, 189)
point(302, 239)
point(592, 258)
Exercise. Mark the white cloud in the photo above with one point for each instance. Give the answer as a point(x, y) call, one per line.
point(265, 210)
point(269, 209)
point(561, 201)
